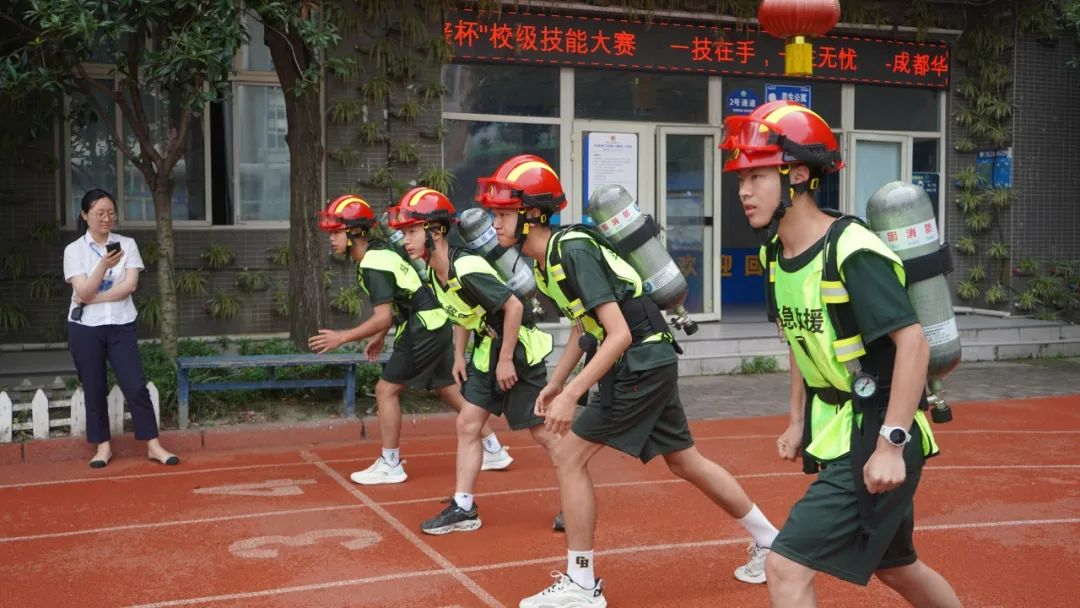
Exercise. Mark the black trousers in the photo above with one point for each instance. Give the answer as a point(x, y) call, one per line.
point(90, 347)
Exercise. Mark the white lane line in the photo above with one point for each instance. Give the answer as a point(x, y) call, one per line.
point(252, 467)
point(179, 522)
point(542, 489)
point(1004, 432)
point(647, 482)
point(998, 524)
point(558, 559)
point(296, 589)
point(409, 535)
point(183, 471)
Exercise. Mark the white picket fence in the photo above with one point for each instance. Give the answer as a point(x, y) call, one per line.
point(76, 408)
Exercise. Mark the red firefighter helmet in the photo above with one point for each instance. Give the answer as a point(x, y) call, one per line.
point(346, 211)
point(524, 181)
point(422, 206)
point(780, 133)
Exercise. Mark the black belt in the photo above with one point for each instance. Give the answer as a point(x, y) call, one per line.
point(829, 394)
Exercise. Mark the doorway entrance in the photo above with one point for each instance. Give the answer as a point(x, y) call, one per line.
point(673, 174)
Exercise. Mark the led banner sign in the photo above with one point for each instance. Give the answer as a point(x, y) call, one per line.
point(623, 44)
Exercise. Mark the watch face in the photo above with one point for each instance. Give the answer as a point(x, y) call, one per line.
point(897, 436)
point(864, 386)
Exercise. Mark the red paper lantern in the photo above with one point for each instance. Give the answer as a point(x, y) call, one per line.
point(794, 21)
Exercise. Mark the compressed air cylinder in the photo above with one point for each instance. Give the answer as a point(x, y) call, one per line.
point(478, 232)
point(396, 238)
point(903, 217)
point(635, 237)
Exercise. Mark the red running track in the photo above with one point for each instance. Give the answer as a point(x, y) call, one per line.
point(998, 514)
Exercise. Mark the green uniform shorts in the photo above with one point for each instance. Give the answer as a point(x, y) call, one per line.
point(518, 404)
point(646, 417)
point(822, 530)
point(422, 359)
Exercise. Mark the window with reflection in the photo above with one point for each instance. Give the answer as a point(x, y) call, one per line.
point(498, 89)
point(648, 96)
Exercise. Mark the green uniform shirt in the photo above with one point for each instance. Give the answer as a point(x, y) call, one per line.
point(598, 285)
point(379, 285)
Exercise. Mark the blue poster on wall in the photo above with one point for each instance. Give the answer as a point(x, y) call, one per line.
point(1003, 169)
point(994, 167)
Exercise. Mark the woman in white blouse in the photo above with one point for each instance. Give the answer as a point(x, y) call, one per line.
point(103, 269)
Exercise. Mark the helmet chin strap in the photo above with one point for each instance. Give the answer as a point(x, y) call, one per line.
point(523, 223)
point(349, 236)
point(429, 243)
point(788, 192)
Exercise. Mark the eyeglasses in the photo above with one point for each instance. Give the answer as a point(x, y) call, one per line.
point(100, 215)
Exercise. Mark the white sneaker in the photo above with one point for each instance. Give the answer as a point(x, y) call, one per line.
point(565, 593)
point(496, 461)
point(380, 472)
point(753, 571)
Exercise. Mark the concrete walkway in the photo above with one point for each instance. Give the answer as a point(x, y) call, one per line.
point(742, 396)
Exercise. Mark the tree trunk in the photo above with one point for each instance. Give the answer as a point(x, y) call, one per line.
point(163, 191)
point(307, 295)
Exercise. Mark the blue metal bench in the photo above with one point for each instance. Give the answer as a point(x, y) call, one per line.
point(185, 364)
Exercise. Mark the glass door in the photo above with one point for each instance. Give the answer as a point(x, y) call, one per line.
point(875, 161)
point(688, 196)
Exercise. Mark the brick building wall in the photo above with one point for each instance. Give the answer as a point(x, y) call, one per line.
point(1046, 135)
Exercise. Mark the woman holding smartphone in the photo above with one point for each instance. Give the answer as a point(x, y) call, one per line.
point(103, 269)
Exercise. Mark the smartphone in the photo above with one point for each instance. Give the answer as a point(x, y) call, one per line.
point(111, 247)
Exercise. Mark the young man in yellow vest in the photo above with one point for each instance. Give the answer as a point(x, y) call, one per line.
point(633, 357)
point(857, 344)
point(507, 369)
point(421, 356)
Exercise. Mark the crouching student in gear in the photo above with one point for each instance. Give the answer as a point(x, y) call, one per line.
point(633, 357)
point(838, 293)
point(422, 337)
point(507, 369)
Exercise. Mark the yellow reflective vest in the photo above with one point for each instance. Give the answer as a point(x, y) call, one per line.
point(801, 307)
point(456, 301)
point(406, 299)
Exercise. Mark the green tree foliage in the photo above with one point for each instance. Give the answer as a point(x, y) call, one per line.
point(177, 52)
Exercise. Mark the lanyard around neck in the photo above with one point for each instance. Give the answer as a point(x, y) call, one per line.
point(90, 244)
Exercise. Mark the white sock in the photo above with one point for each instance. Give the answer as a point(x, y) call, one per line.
point(759, 527)
point(392, 456)
point(491, 443)
point(463, 500)
point(579, 567)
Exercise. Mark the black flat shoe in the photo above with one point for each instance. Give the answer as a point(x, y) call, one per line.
point(171, 460)
point(99, 463)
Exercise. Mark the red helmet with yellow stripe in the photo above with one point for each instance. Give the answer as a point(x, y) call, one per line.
point(422, 207)
point(346, 211)
point(525, 181)
point(780, 133)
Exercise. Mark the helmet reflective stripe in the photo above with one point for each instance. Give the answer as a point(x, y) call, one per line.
point(348, 201)
point(783, 111)
point(523, 167)
point(419, 194)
